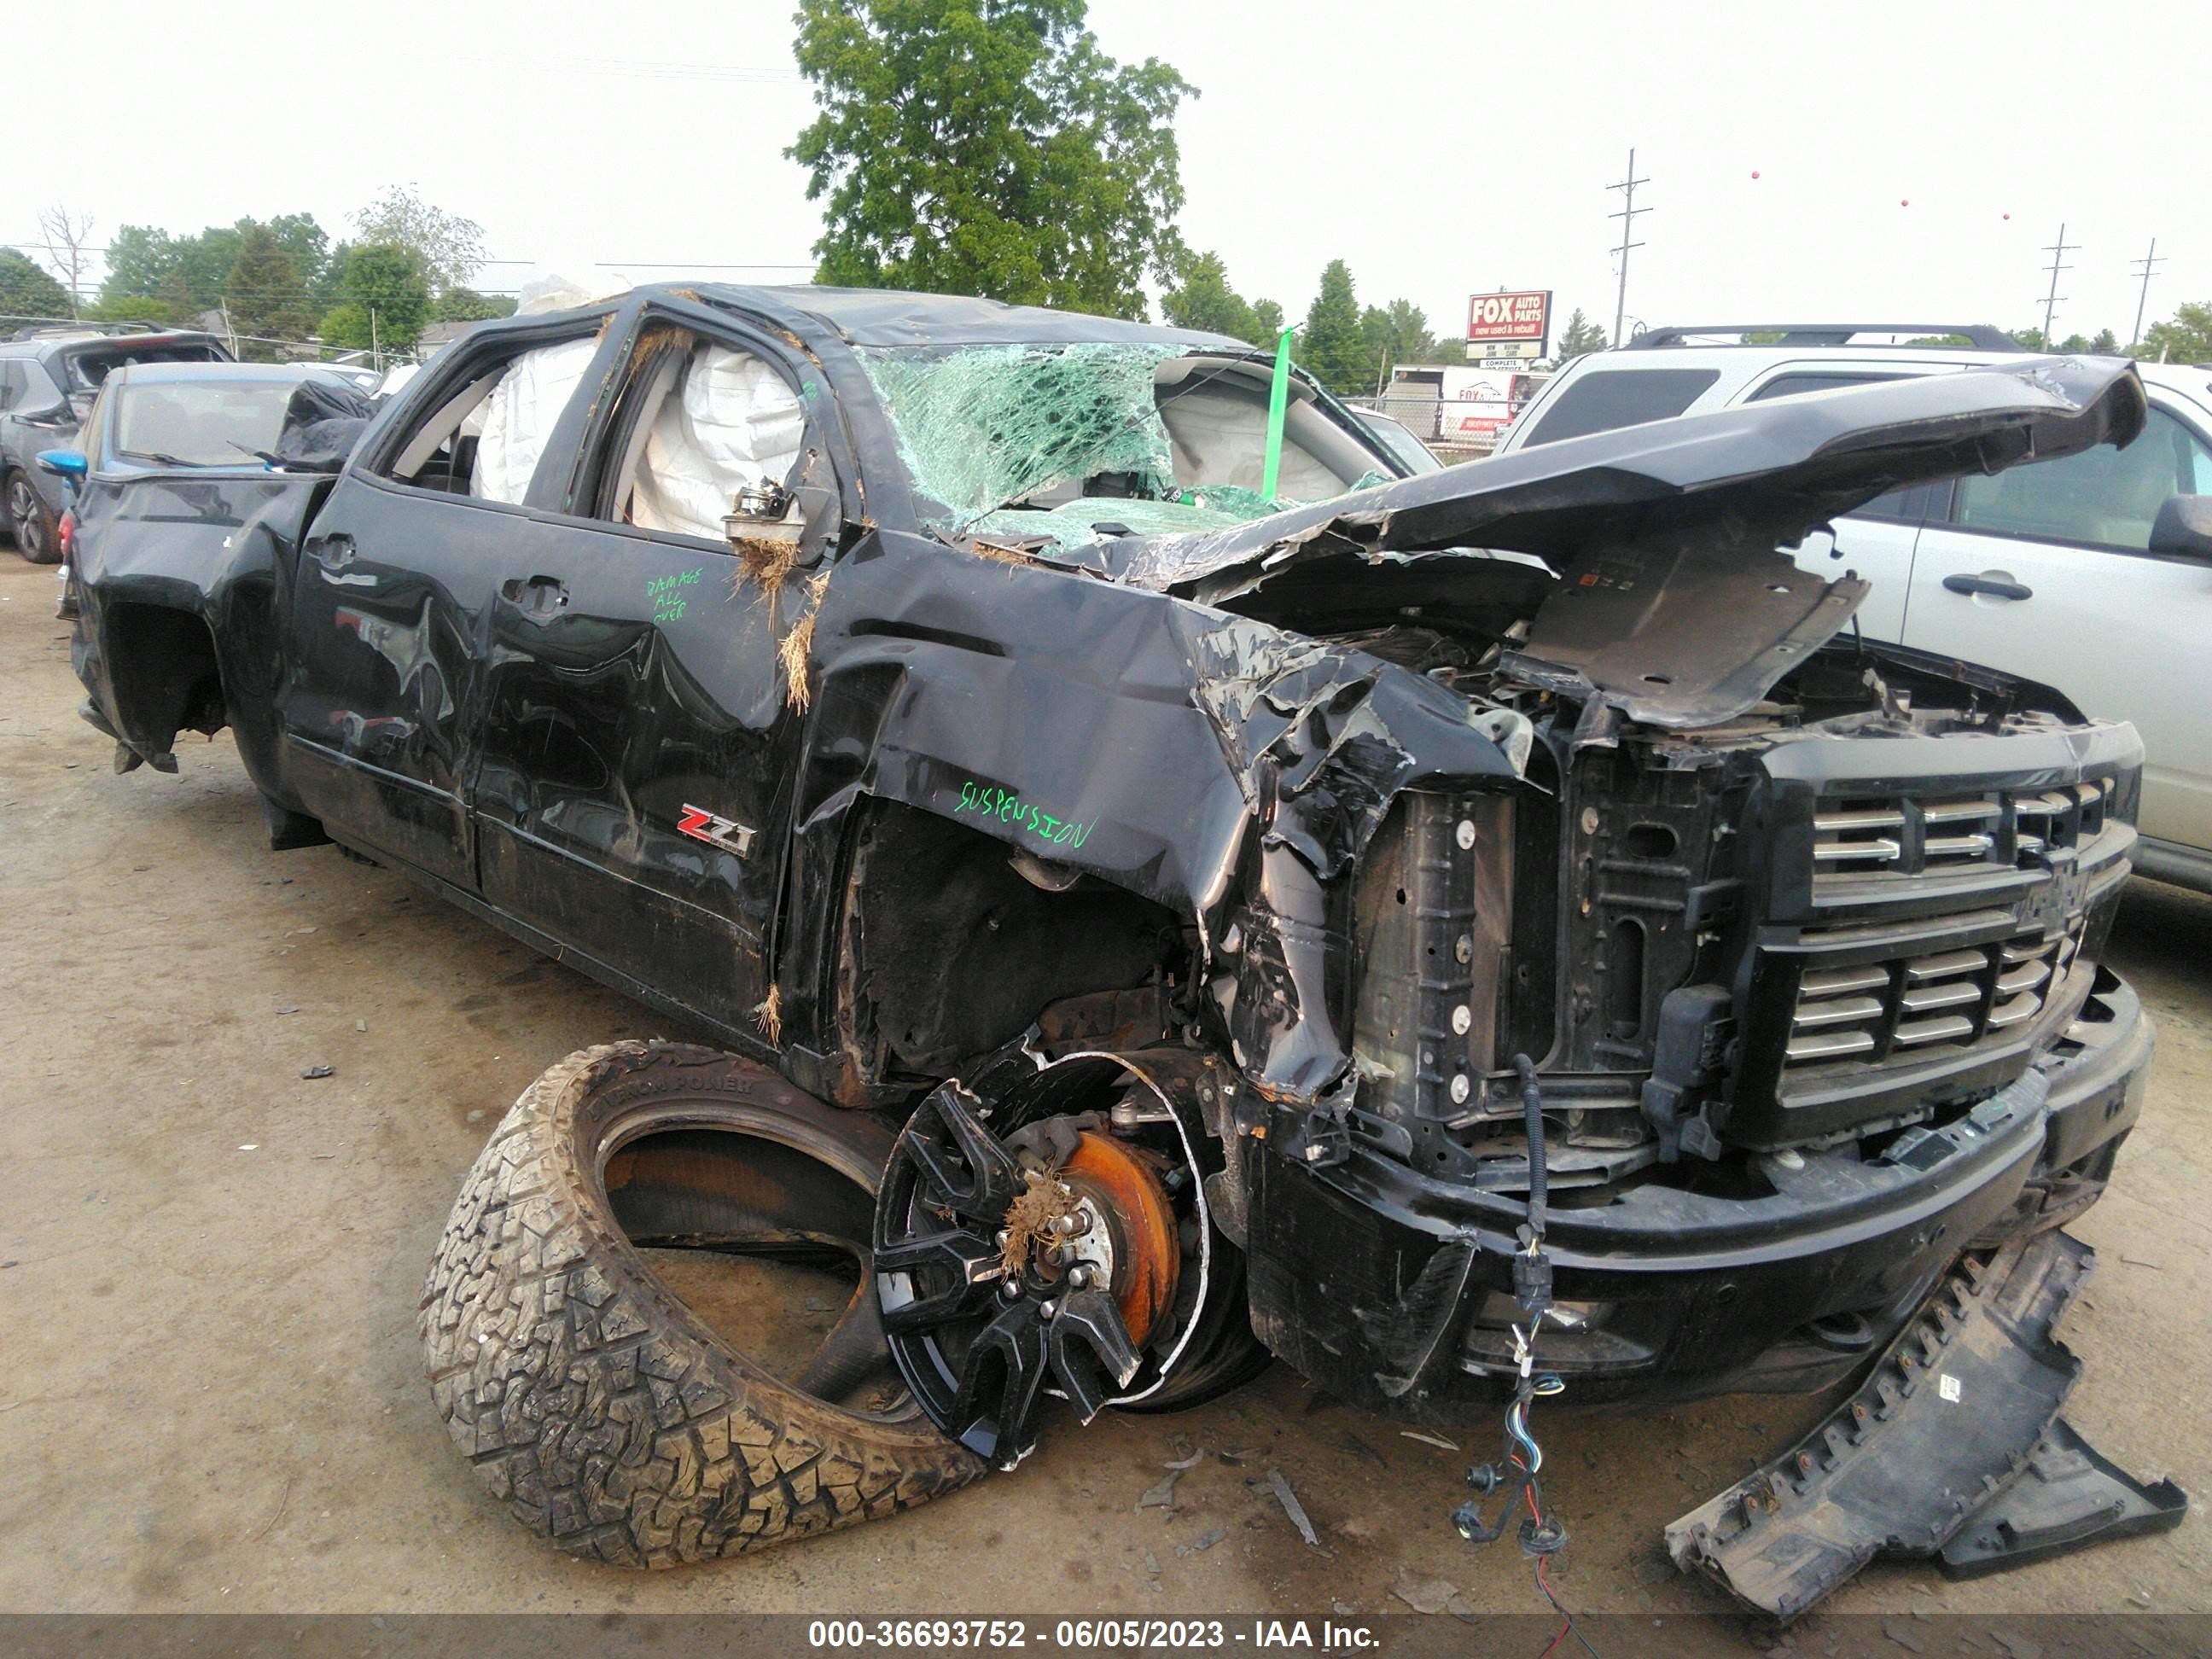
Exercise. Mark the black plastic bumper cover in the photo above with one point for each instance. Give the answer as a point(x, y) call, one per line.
point(1369, 1277)
point(1953, 1445)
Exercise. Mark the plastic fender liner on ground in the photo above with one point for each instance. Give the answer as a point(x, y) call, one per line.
point(602, 1411)
point(1944, 1440)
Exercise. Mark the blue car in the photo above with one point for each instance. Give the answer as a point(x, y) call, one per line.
point(163, 432)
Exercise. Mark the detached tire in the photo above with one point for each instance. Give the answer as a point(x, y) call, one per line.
point(600, 1408)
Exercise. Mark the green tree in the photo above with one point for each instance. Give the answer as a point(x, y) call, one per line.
point(449, 247)
point(264, 297)
point(2032, 338)
point(307, 242)
point(348, 327)
point(1393, 334)
point(1204, 299)
point(386, 299)
point(132, 308)
point(1267, 318)
point(987, 147)
point(139, 259)
point(465, 305)
point(2074, 343)
point(1581, 336)
point(2105, 344)
point(327, 289)
point(28, 294)
point(2184, 338)
point(204, 263)
point(1331, 347)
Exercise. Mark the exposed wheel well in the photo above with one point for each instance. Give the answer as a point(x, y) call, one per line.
point(163, 666)
point(947, 950)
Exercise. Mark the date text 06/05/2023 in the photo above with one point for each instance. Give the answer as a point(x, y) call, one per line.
point(1318, 1635)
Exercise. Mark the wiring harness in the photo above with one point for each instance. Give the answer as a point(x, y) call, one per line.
point(1518, 1470)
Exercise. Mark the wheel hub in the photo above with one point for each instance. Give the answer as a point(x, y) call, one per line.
point(1011, 1268)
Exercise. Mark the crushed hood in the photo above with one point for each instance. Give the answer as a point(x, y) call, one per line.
point(1674, 602)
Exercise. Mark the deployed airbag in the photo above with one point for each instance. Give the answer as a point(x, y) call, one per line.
point(731, 421)
point(520, 415)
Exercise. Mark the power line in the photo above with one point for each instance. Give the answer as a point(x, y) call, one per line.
point(694, 265)
point(2057, 251)
point(2147, 264)
point(681, 71)
point(1628, 217)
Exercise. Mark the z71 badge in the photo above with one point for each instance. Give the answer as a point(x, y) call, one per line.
point(714, 830)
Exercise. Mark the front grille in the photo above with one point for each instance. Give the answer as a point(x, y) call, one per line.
point(1900, 837)
point(1908, 1004)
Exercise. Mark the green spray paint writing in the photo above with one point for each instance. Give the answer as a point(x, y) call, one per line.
point(668, 596)
point(1009, 808)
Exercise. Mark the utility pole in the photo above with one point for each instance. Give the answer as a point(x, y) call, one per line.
point(1628, 217)
point(2057, 251)
point(2148, 263)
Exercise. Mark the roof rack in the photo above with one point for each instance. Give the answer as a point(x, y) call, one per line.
point(1981, 337)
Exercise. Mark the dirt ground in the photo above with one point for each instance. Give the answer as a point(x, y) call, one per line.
point(210, 1397)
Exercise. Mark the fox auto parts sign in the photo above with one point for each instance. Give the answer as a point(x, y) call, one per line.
point(1525, 316)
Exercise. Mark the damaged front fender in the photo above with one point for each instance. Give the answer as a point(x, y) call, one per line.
point(1229, 770)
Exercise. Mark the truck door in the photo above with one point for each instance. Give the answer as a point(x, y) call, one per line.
point(2044, 571)
point(639, 725)
point(391, 600)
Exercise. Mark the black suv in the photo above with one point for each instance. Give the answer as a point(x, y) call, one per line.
point(48, 378)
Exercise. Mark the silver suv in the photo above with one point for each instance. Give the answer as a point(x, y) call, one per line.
point(2092, 574)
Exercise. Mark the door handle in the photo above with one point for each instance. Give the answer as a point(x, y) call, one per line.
point(332, 552)
point(1996, 587)
point(536, 596)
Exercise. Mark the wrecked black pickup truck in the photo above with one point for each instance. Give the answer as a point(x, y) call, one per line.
point(1282, 906)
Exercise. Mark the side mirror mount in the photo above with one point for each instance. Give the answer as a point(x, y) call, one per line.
point(69, 464)
point(2183, 529)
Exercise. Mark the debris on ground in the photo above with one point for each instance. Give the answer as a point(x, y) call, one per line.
point(1205, 1541)
point(288, 1010)
point(1428, 1439)
point(1288, 1500)
point(1424, 1595)
point(1161, 1497)
point(1354, 1442)
point(320, 1071)
point(1189, 1462)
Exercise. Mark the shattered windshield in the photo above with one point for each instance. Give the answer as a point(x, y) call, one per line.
point(1069, 443)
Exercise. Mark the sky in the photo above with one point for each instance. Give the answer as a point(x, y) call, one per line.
point(1865, 163)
